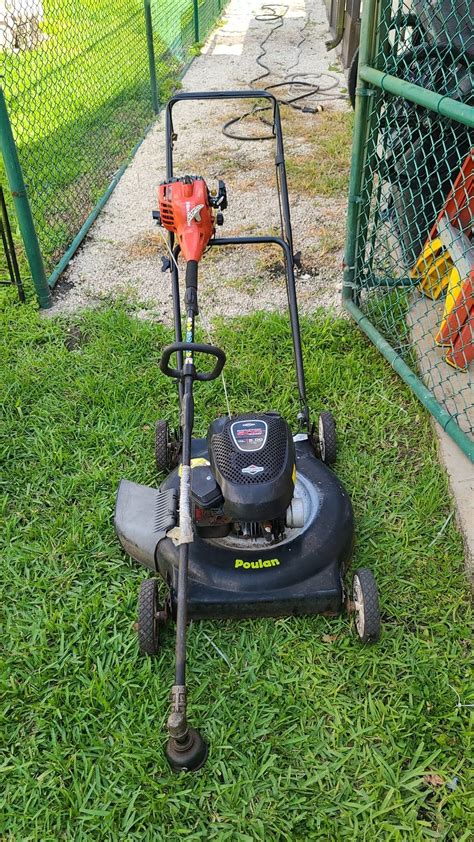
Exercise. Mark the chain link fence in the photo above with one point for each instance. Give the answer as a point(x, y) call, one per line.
point(208, 11)
point(410, 250)
point(81, 80)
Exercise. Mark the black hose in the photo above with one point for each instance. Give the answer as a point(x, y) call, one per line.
point(307, 89)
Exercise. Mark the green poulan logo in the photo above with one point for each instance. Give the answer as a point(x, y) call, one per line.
point(256, 565)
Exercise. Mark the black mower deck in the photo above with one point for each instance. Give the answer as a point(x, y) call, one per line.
point(300, 576)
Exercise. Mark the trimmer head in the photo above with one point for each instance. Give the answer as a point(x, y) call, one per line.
point(187, 755)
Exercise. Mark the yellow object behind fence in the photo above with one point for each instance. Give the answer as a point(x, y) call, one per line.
point(454, 288)
point(433, 268)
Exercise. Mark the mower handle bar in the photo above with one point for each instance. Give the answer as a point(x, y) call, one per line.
point(194, 348)
point(195, 95)
point(198, 95)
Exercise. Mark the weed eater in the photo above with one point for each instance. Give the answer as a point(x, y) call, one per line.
point(251, 521)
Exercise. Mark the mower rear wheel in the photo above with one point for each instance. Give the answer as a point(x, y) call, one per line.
point(167, 448)
point(162, 446)
point(365, 598)
point(148, 618)
point(327, 438)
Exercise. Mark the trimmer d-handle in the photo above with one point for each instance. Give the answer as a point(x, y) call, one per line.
point(191, 348)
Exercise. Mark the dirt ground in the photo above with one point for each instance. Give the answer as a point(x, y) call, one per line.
point(121, 255)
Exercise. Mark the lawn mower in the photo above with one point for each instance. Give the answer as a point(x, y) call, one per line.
point(251, 521)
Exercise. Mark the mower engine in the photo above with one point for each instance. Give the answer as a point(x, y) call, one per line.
point(247, 487)
point(186, 209)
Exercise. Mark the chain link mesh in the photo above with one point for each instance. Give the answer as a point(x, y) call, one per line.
point(414, 260)
point(208, 11)
point(76, 78)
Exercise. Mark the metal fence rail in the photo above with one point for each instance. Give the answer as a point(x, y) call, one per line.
point(409, 270)
point(80, 83)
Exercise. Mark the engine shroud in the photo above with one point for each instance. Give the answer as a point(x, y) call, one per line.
point(252, 457)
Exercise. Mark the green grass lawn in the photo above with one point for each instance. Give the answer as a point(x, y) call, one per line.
point(312, 736)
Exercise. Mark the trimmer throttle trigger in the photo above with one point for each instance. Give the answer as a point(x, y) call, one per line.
point(219, 200)
point(297, 260)
point(165, 263)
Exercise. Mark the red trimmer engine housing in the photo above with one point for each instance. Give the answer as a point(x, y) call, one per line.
point(186, 209)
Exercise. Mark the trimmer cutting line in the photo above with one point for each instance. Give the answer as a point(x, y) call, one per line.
point(251, 521)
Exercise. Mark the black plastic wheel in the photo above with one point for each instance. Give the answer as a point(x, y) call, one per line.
point(327, 438)
point(365, 597)
point(162, 446)
point(148, 639)
point(167, 448)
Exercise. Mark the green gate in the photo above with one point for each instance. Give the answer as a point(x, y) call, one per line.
point(409, 261)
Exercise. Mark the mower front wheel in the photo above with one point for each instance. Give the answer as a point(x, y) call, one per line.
point(150, 617)
point(327, 438)
point(365, 599)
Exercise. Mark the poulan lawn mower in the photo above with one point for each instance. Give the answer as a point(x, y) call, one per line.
point(251, 521)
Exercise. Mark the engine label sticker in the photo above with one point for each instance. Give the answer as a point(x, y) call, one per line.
point(256, 565)
point(249, 436)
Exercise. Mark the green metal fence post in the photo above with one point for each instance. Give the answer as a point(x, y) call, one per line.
point(22, 206)
point(359, 145)
point(376, 46)
point(196, 20)
point(151, 56)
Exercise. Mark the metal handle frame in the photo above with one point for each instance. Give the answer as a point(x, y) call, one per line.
point(285, 241)
point(180, 735)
